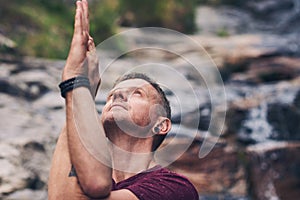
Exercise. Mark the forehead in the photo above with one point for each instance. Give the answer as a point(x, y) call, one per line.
point(133, 83)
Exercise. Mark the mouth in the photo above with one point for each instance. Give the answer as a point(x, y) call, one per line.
point(117, 105)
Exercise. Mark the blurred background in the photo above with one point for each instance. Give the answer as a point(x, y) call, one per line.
point(254, 44)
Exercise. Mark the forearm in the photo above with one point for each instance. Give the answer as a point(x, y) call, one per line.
point(87, 144)
point(85, 136)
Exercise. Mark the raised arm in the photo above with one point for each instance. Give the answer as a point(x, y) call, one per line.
point(82, 143)
point(85, 135)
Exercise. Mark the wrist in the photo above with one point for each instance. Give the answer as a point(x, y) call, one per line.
point(71, 71)
point(72, 83)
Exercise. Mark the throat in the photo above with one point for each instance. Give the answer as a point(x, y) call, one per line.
point(130, 155)
point(124, 168)
point(119, 176)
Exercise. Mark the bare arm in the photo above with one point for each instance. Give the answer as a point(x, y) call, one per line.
point(86, 143)
point(60, 185)
point(83, 127)
point(83, 143)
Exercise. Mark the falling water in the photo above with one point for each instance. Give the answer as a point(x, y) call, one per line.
point(255, 128)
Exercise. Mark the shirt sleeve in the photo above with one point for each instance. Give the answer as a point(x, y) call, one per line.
point(164, 186)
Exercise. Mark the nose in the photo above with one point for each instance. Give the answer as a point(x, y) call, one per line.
point(120, 95)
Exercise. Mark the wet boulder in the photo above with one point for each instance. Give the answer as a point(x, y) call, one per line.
point(274, 170)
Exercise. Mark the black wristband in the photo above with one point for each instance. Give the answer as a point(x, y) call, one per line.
point(72, 83)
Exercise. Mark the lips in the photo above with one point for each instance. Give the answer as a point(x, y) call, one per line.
point(117, 105)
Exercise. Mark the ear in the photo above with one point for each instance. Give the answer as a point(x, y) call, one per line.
point(163, 126)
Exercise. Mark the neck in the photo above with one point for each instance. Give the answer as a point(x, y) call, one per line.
point(125, 166)
point(130, 155)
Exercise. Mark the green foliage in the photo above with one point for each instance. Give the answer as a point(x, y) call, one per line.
point(39, 27)
point(174, 14)
point(103, 17)
point(221, 2)
point(44, 28)
point(223, 32)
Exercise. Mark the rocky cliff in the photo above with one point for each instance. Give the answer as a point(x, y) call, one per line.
point(254, 155)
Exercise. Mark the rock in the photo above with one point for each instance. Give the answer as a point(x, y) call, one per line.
point(23, 167)
point(235, 50)
point(29, 80)
point(296, 102)
point(261, 77)
point(220, 172)
point(4, 41)
point(8, 151)
point(13, 177)
point(21, 122)
point(37, 161)
point(274, 15)
point(274, 170)
point(257, 57)
point(50, 101)
point(255, 128)
point(199, 118)
point(27, 194)
point(182, 131)
point(284, 119)
point(31, 118)
point(237, 17)
point(14, 116)
point(264, 114)
point(11, 89)
point(271, 69)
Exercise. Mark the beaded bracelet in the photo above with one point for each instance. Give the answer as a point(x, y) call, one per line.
point(72, 83)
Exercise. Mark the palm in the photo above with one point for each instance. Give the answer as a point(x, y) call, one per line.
point(82, 50)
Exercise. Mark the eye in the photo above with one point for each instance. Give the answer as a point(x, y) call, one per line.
point(137, 92)
point(109, 96)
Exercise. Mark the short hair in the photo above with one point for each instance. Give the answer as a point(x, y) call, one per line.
point(158, 139)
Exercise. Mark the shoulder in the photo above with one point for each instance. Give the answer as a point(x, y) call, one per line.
point(161, 183)
point(174, 180)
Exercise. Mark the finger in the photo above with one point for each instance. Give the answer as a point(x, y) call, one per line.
point(91, 45)
point(78, 19)
point(91, 53)
point(86, 15)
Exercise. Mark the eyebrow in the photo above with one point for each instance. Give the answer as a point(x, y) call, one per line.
point(127, 88)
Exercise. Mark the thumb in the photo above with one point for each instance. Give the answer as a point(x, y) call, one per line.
point(91, 45)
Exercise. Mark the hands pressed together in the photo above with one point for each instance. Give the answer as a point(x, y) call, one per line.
point(82, 59)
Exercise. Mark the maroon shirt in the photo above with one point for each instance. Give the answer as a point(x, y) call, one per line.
point(158, 184)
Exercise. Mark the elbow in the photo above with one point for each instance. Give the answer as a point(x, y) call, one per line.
point(96, 189)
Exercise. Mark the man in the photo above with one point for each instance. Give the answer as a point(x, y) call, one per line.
point(135, 120)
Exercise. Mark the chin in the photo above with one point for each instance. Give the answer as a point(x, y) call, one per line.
point(113, 119)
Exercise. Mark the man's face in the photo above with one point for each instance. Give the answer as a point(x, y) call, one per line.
point(131, 105)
